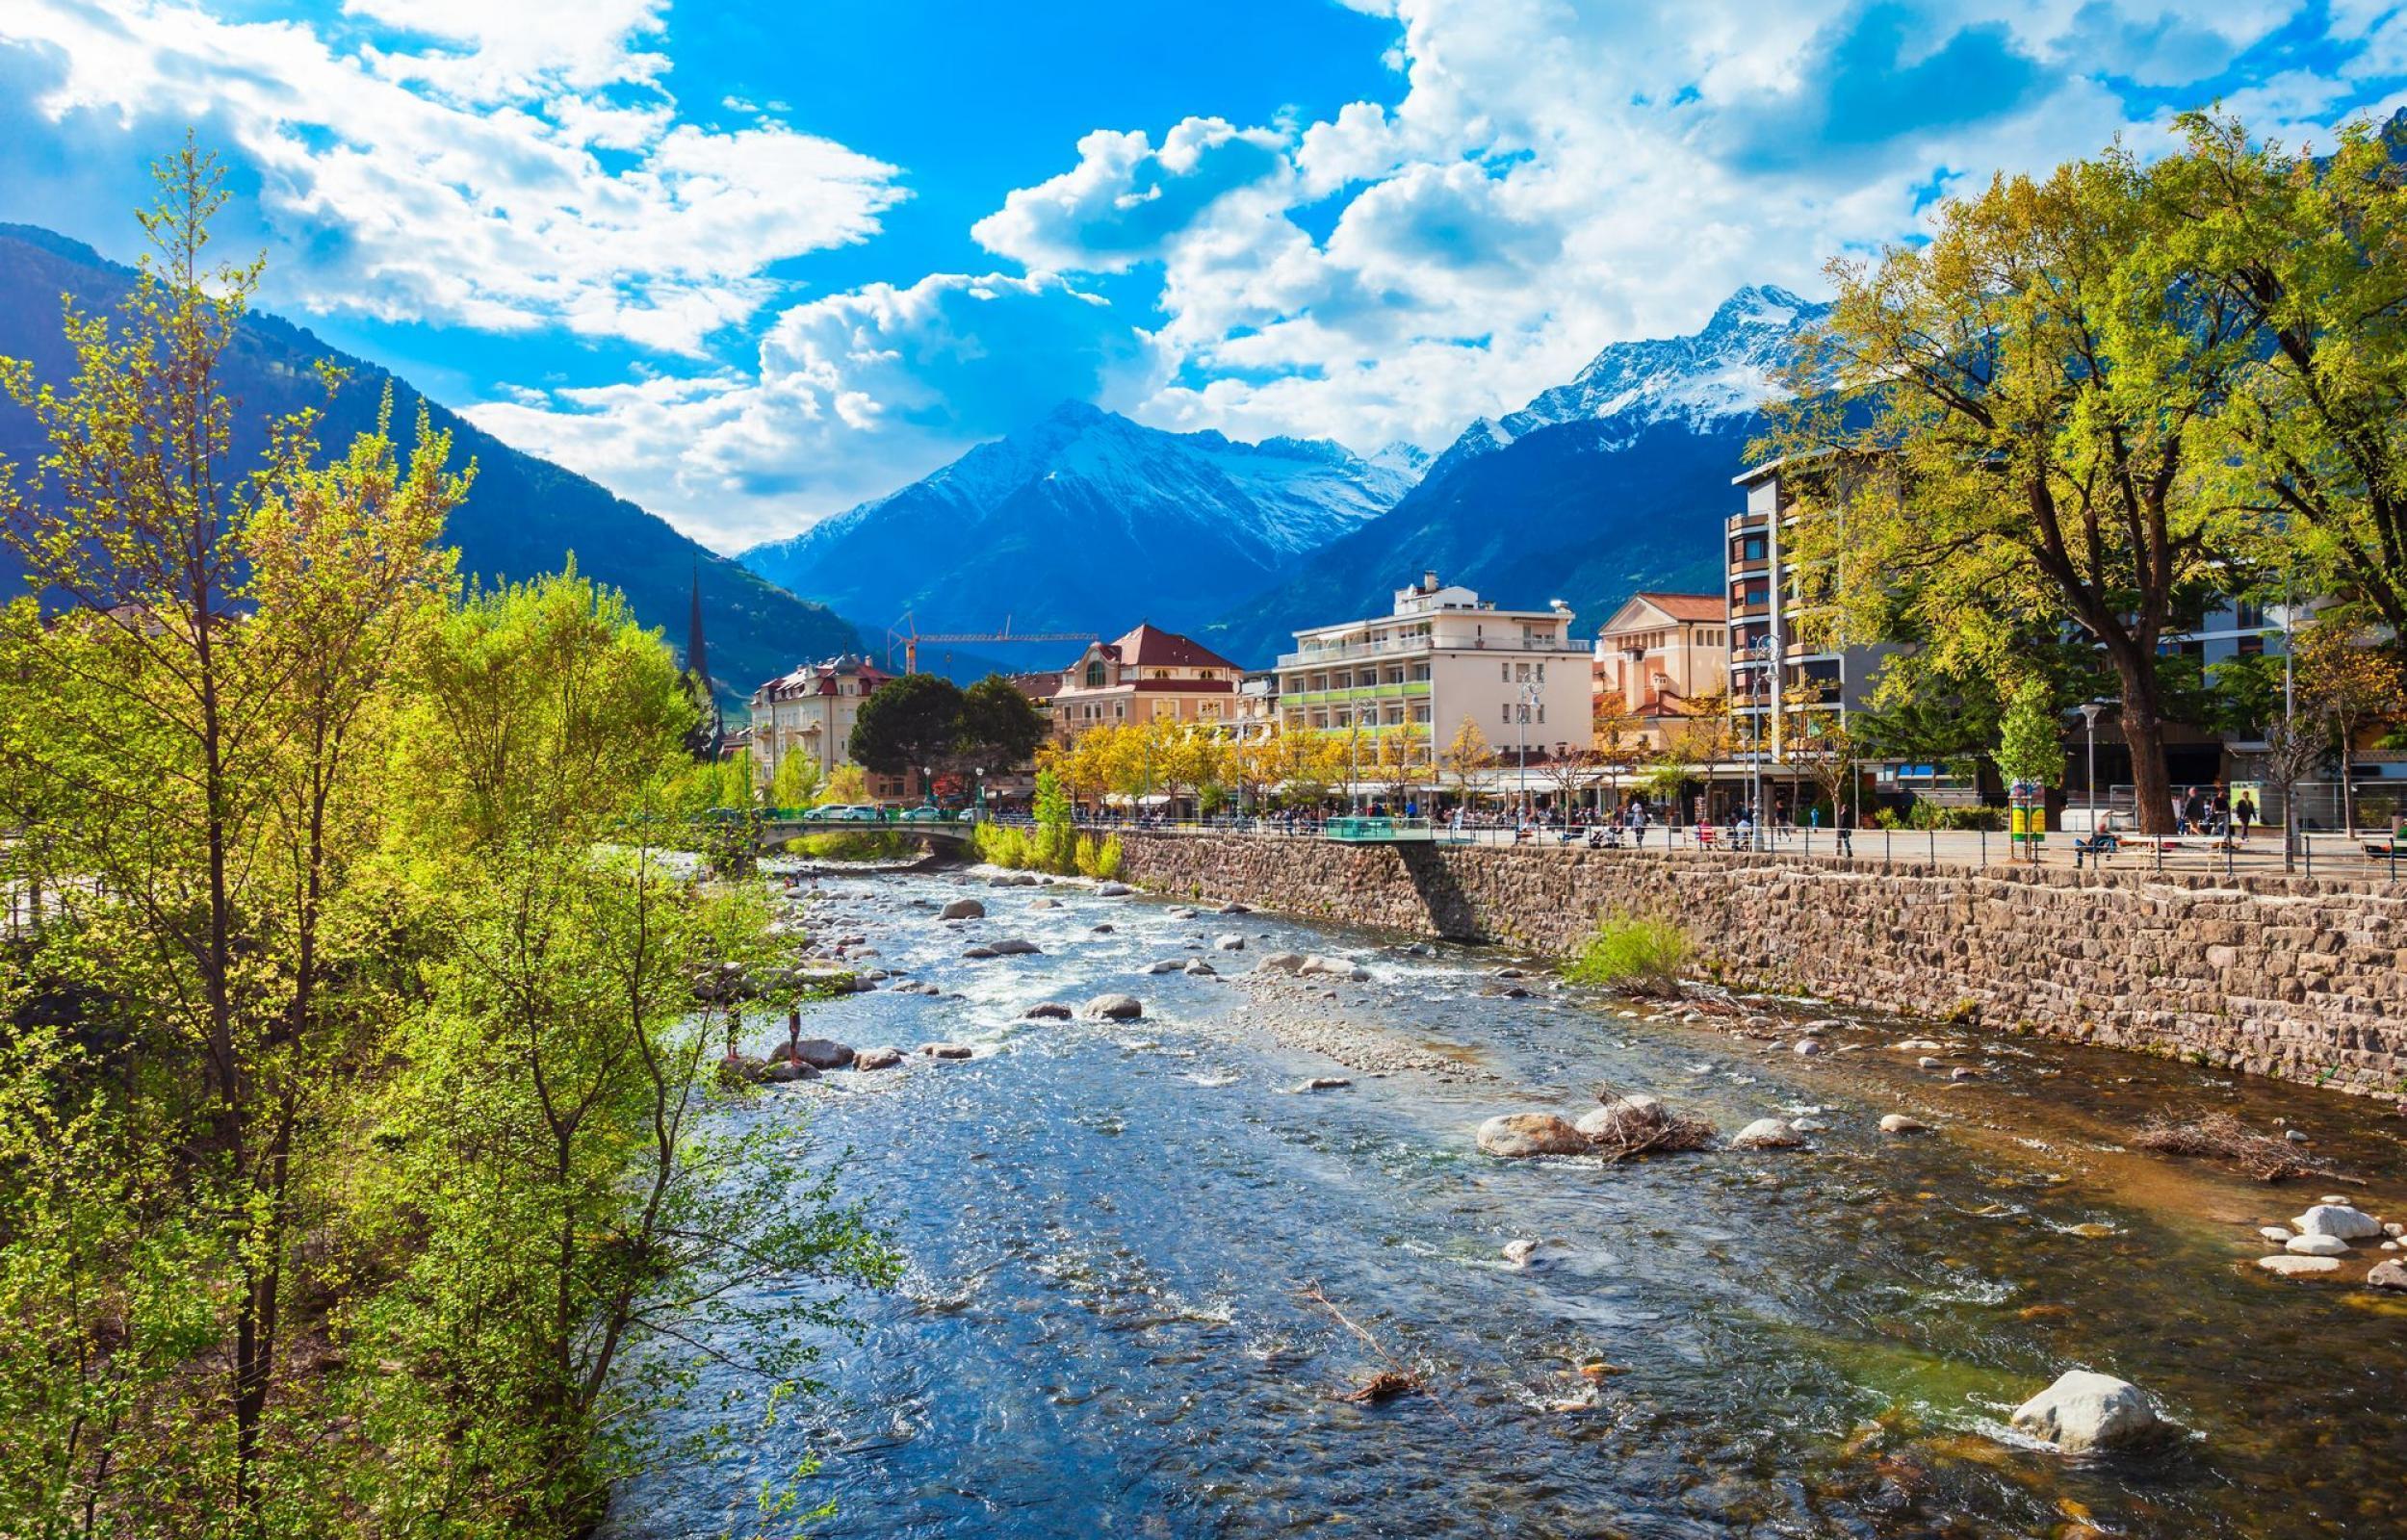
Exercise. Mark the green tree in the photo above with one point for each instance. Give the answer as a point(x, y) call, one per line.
point(2015, 426)
point(2031, 738)
point(796, 781)
point(210, 709)
point(2306, 251)
point(910, 725)
point(1000, 728)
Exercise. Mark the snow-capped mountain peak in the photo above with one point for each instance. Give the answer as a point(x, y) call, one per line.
point(1729, 367)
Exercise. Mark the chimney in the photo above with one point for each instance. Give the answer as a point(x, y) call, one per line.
point(1429, 581)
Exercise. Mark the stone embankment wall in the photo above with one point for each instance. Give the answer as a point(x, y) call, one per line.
point(2297, 977)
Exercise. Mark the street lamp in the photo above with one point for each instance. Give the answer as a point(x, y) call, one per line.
point(1528, 698)
point(2089, 711)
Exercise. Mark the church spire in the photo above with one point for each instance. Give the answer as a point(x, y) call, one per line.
point(698, 664)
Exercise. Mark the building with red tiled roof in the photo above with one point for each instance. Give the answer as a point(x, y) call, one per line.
point(811, 711)
point(1662, 654)
point(1147, 675)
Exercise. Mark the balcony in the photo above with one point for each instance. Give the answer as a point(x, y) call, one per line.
point(1406, 690)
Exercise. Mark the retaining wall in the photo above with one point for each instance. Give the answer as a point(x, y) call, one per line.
point(2297, 977)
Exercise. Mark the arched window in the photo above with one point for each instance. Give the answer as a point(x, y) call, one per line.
point(1095, 675)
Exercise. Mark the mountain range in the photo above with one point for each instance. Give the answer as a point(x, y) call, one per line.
point(1615, 482)
point(524, 516)
point(1088, 522)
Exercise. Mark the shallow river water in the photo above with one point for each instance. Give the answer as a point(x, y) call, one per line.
point(1111, 1230)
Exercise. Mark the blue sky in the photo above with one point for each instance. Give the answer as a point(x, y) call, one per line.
point(752, 263)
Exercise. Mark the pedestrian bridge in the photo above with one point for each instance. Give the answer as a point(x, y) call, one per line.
point(780, 824)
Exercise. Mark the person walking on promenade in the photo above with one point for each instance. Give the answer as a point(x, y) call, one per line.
point(2244, 813)
point(1843, 824)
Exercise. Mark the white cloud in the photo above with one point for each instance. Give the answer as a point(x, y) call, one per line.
point(1561, 175)
point(503, 167)
point(853, 396)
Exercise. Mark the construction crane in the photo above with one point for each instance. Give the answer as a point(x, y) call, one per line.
point(906, 635)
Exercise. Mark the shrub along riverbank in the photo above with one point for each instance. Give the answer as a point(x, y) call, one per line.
point(357, 1167)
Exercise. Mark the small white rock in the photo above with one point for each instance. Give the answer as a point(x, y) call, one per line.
point(1900, 1123)
point(2316, 1246)
point(2291, 1267)
point(2085, 1410)
point(2337, 1219)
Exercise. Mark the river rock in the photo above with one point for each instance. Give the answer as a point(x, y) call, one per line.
point(1281, 962)
point(2085, 1411)
point(1049, 1010)
point(784, 1071)
point(1102, 930)
point(1229, 943)
point(1113, 891)
point(962, 909)
point(1624, 1117)
point(1925, 1062)
point(1200, 968)
point(1766, 1133)
point(946, 1050)
point(1336, 967)
point(1900, 1123)
point(1014, 946)
point(1919, 1046)
point(979, 952)
point(1045, 903)
point(2337, 1219)
point(2388, 1275)
point(1233, 908)
point(1520, 1253)
point(2275, 1233)
point(822, 1053)
point(1181, 911)
point(2314, 1244)
point(877, 1059)
point(1114, 1008)
point(2291, 1267)
point(1326, 1083)
point(1513, 1135)
point(1165, 965)
point(1963, 1072)
point(1808, 1046)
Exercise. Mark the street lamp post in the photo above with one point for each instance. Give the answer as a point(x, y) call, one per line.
point(2089, 711)
point(1521, 748)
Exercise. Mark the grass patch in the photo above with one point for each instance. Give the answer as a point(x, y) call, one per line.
point(1637, 954)
point(861, 845)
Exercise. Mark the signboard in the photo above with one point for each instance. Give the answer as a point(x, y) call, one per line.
point(2026, 813)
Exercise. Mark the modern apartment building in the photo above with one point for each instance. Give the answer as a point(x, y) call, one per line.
point(811, 711)
point(1662, 654)
point(1148, 674)
point(1782, 658)
point(1441, 656)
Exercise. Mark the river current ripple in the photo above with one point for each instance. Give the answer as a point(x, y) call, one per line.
point(1110, 1231)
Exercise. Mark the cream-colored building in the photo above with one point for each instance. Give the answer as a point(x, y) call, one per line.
point(1661, 653)
point(1441, 656)
point(811, 711)
point(1148, 674)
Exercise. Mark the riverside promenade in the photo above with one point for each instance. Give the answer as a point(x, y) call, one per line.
point(2291, 976)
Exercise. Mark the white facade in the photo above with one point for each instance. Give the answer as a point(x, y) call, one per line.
point(1441, 656)
point(811, 711)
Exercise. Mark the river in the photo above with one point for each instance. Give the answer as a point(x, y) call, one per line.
point(1111, 1230)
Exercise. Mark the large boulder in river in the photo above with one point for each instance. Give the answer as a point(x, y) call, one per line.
point(2337, 1219)
point(1281, 962)
point(1049, 1010)
point(1231, 942)
point(821, 1053)
point(1114, 890)
point(1014, 946)
point(1766, 1133)
point(2085, 1411)
point(877, 1059)
point(963, 909)
point(2388, 1275)
point(1513, 1135)
point(1625, 1117)
point(1333, 967)
point(1114, 1008)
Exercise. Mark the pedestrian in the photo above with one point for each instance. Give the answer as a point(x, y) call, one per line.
point(1843, 824)
point(2244, 813)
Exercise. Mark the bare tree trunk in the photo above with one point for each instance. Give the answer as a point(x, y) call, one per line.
point(2143, 733)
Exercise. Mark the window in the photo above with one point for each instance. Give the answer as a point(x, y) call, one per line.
point(1542, 673)
point(1504, 672)
point(1542, 714)
point(1521, 673)
point(1505, 714)
point(2252, 646)
point(1095, 675)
